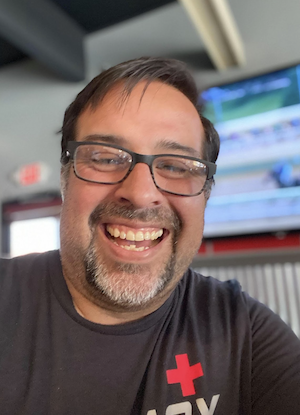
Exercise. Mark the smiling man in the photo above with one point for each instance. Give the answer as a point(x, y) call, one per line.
point(126, 244)
point(116, 322)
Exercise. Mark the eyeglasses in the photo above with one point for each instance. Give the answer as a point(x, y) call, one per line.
point(109, 164)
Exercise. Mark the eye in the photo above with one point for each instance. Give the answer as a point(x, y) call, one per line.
point(180, 167)
point(107, 160)
point(172, 167)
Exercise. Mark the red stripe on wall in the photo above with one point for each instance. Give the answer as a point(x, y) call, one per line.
point(246, 243)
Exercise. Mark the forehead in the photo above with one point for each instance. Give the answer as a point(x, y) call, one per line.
point(159, 113)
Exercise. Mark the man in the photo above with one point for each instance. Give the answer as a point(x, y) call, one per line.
point(117, 324)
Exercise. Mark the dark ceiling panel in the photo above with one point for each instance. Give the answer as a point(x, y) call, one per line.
point(90, 15)
point(46, 33)
point(94, 15)
point(9, 53)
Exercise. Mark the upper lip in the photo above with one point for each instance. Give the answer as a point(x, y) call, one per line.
point(133, 225)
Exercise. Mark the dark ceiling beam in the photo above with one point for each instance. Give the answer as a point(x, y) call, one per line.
point(45, 33)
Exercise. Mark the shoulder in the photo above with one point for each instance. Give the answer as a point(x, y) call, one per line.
point(25, 263)
point(219, 309)
point(228, 305)
point(211, 290)
point(231, 317)
point(25, 270)
point(24, 285)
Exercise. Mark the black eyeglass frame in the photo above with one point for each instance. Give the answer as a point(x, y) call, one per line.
point(136, 158)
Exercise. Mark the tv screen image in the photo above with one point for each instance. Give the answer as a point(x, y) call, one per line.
point(258, 175)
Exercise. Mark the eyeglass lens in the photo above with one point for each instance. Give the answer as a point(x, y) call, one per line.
point(108, 165)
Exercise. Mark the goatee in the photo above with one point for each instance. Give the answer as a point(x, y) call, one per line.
point(129, 285)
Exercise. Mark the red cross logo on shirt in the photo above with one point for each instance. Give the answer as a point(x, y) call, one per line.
point(185, 374)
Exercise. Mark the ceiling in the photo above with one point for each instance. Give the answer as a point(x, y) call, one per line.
point(50, 30)
point(37, 81)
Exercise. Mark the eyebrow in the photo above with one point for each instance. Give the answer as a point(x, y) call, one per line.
point(161, 145)
point(106, 138)
point(173, 145)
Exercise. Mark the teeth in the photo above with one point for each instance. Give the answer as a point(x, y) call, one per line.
point(156, 234)
point(133, 247)
point(139, 236)
point(131, 236)
point(142, 248)
point(110, 230)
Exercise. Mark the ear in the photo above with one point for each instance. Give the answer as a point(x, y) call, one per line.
point(64, 179)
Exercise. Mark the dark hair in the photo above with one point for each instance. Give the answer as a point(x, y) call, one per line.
point(167, 71)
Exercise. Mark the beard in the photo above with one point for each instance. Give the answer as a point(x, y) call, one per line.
point(129, 285)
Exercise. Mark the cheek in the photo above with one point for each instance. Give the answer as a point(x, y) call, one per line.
point(191, 214)
point(80, 200)
point(76, 209)
point(81, 197)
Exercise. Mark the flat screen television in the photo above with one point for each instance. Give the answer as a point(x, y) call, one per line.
point(258, 175)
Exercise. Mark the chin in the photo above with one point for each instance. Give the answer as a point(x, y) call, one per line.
point(127, 285)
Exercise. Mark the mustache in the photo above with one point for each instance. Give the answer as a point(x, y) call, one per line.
point(158, 214)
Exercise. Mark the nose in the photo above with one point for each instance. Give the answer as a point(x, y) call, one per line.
point(139, 188)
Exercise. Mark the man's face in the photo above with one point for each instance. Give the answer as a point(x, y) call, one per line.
point(98, 222)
